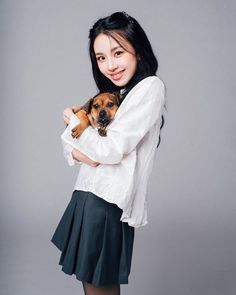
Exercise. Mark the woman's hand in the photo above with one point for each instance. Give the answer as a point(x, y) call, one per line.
point(68, 112)
point(77, 155)
point(66, 115)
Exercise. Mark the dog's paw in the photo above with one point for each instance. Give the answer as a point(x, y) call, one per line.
point(76, 131)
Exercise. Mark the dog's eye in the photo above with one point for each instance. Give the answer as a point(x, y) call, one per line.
point(96, 106)
point(110, 104)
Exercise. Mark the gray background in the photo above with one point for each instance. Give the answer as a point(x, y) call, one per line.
point(188, 247)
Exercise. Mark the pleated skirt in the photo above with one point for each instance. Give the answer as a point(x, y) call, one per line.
point(95, 245)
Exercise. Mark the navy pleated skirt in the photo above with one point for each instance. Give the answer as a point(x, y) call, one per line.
point(95, 245)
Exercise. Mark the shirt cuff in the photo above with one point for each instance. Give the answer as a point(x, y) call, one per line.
point(67, 152)
point(67, 147)
point(74, 120)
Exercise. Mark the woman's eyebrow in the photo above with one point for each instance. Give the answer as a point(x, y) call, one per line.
point(112, 49)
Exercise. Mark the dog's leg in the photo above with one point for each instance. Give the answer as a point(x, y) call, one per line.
point(78, 130)
point(84, 123)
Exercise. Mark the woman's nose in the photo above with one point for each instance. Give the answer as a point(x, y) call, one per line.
point(111, 64)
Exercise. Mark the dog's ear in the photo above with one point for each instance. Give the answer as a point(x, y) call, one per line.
point(88, 105)
point(117, 97)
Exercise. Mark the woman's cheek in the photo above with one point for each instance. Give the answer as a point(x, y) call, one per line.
point(102, 68)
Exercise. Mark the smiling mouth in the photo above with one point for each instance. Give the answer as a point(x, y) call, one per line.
point(118, 75)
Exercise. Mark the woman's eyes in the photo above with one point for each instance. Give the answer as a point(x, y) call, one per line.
point(100, 58)
point(117, 54)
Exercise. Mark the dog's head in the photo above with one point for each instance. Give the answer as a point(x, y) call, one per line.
point(102, 108)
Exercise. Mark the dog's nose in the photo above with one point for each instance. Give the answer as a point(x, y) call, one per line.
point(103, 118)
point(102, 114)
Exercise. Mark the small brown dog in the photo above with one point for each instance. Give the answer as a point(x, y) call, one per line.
point(98, 112)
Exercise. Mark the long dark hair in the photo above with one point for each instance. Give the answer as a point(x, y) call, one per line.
point(121, 26)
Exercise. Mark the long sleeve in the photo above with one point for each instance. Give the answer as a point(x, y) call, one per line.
point(67, 147)
point(140, 110)
point(67, 153)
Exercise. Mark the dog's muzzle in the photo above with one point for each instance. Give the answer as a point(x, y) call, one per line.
point(103, 119)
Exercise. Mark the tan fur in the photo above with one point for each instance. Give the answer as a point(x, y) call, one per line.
point(90, 113)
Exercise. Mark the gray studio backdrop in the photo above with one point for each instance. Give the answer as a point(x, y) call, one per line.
point(188, 246)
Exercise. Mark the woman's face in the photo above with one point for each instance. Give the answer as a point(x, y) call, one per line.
point(116, 63)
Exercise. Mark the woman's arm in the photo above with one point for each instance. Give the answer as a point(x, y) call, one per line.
point(143, 109)
point(68, 112)
point(71, 153)
point(77, 155)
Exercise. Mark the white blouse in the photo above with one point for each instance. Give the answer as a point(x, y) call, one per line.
point(126, 154)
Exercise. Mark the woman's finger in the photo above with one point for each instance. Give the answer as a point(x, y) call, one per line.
point(76, 108)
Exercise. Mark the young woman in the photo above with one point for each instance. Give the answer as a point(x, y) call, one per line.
point(96, 231)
